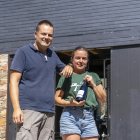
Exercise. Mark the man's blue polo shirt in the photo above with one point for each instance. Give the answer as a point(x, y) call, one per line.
point(37, 84)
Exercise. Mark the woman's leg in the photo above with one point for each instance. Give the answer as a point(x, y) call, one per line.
point(71, 137)
point(95, 138)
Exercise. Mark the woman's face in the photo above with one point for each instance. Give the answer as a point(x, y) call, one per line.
point(79, 61)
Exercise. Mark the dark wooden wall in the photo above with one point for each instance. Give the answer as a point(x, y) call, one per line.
point(94, 23)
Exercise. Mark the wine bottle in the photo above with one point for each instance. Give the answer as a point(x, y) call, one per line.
point(82, 93)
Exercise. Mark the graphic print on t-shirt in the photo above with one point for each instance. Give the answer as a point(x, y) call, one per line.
point(76, 86)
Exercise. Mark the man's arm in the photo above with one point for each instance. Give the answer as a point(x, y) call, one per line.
point(14, 95)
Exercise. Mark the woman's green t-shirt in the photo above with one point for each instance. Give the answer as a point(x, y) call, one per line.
point(71, 85)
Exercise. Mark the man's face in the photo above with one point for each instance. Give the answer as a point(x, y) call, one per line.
point(44, 37)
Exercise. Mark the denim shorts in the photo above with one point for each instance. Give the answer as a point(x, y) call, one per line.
point(76, 120)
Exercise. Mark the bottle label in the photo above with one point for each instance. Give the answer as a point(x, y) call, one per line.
point(80, 93)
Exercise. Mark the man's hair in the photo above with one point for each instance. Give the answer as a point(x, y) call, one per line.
point(46, 22)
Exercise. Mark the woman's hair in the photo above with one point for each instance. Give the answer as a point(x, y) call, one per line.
point(79, 48)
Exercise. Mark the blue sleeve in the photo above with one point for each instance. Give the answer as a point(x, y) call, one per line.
point(18, 62)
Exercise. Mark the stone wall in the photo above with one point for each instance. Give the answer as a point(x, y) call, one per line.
point(3, 94)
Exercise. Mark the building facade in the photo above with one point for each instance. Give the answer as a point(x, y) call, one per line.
point(108, 28)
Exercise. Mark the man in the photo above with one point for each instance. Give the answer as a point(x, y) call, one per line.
point(32, 85)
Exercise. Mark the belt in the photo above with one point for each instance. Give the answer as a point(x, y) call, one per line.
point(81, 108)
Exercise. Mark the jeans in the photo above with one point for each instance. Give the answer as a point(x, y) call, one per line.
point(76, 120)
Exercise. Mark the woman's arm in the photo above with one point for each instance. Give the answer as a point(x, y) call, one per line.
point(98, 89)
point(59, 98)
point(100, 93)
point(61, 102)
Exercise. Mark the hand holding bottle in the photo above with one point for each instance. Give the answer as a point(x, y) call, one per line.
point(73, 102)
point(98, 90)
point(90, 81)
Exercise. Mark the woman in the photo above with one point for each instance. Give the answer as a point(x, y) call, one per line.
point(77, 119)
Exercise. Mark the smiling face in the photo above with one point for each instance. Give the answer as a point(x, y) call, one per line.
point(44, 37)
point(80, 60)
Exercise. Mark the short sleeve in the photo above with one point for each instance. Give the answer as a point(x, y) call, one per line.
point(18, 62)
point(96, 78)
point(60, 83)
